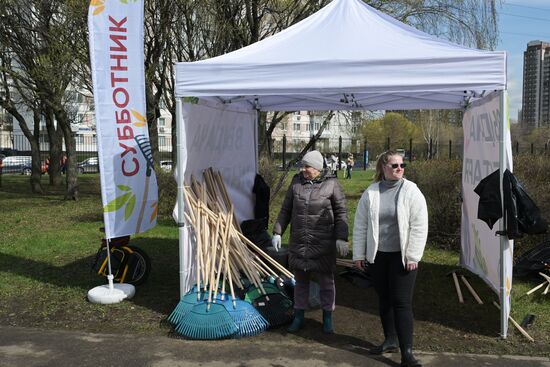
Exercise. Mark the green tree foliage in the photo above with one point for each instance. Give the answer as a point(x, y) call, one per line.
point(393, 126)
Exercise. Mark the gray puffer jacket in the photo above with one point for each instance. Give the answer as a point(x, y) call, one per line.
point(317, 213)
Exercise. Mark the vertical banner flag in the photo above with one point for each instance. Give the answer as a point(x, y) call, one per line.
point(128, 181)
point(480, 246)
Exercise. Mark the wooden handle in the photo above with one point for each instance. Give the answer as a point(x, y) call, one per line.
point(265, 256)
point(471, 289)
point(545, 276)
point(521, 330)
point(537, 287)
point(457, 287)
point(213, 271)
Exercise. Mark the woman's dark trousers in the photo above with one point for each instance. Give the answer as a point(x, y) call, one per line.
point(395, 287)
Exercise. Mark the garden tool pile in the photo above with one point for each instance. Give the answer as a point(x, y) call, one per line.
point(224, 260)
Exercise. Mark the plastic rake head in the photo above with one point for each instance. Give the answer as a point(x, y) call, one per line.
point(248, 320)
point(207, 323)
point(185, 305)
point(144, 145)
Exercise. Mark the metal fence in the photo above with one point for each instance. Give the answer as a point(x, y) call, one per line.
point(364, 151)
point(86, 147)
point(420, 150)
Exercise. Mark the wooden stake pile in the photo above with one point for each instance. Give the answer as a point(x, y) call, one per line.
point(221, 248)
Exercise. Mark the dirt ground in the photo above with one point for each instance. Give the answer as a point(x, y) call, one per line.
point(438, 329)
point(449, 327)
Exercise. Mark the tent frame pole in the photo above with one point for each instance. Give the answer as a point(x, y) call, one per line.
point(504, 242)
point(183, 227)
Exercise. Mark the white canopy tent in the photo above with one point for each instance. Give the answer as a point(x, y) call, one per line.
point(347, 56)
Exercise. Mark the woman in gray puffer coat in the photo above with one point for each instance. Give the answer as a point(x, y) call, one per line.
point(315, 208)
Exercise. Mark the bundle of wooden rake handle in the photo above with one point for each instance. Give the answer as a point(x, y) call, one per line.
point(221, 248)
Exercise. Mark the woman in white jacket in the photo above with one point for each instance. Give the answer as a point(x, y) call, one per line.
point(390, 231)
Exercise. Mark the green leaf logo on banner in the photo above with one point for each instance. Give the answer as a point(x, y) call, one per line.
point(479, 259)
point(127, 199)
point(130, 207)
point(117, 203)
point(124, 188)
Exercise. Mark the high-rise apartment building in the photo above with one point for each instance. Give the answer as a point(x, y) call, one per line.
point(536, 84)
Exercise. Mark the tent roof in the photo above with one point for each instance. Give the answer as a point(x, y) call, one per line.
point(346, 56)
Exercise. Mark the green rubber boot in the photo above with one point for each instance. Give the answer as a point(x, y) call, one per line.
point(327, 322)
point(298, 321)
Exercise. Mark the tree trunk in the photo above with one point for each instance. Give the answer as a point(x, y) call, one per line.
point(36, 185)
point(36, 170)
point(153, 114)
point(36, 174)
point(174, 153)
point(72, 192)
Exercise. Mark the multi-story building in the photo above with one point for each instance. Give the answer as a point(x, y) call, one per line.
point(298, 128)
point(536, 84)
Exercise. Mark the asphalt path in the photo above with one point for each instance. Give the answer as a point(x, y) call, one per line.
point(29, 347)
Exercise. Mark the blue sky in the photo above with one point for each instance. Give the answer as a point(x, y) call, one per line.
point(521, 21)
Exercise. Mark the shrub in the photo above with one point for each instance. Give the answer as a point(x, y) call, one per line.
point(533, 171)
point(440, 182)
point(167, 186)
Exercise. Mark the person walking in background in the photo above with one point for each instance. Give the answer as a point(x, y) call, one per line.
point(390, 232)
point(334, 164)
point(349, 166)
point(315, 208)
point(63, 163)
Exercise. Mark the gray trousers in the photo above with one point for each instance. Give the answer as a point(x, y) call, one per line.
point(301, 290)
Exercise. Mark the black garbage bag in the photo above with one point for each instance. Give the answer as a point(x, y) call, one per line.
point(522, 216)
point(533, 261)
point(256, 231)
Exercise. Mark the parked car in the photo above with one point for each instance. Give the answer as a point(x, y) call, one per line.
point(16, 164)
point(166, 165)
point(27, 170)
point(90, 165)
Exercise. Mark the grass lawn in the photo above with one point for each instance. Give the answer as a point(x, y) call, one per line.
point(47, 247)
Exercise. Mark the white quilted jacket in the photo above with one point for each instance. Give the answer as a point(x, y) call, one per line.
point(412, 218)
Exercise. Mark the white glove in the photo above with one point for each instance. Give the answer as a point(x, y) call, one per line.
point(342, 247)
point(276, 242)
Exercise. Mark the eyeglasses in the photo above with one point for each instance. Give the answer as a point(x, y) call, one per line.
point(395, 165)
